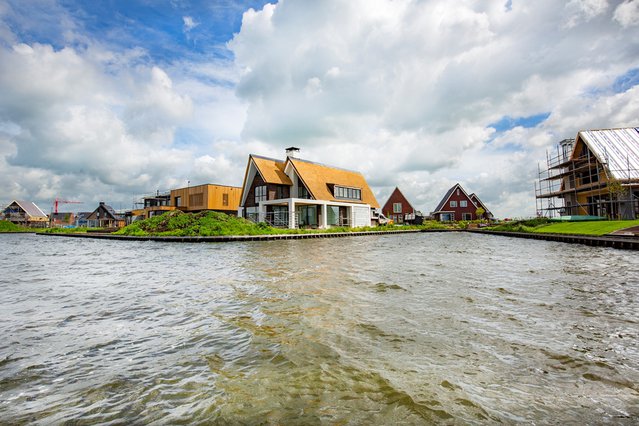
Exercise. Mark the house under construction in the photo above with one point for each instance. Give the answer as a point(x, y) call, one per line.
point(595, 174)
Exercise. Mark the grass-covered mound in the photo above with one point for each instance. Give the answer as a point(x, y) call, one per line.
point(7, 226)
point(545, 226)
point(177, 223)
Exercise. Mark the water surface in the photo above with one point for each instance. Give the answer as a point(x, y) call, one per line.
point(391, 329)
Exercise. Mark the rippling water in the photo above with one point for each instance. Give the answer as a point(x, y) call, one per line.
point(410, 329)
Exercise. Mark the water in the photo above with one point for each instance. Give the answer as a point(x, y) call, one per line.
point(397, 329)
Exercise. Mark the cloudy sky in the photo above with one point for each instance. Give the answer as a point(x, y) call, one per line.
point(109, 100)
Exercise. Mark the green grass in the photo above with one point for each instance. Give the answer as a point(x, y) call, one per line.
point(177, 223)
point(7, 226)
point(544, 226)
point(587, 228)
point(79, 230)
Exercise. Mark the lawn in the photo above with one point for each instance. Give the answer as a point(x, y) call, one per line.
point(544, 226)
point(586, 228)
point(7, 226)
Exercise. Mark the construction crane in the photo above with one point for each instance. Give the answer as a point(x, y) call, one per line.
point(59, 201)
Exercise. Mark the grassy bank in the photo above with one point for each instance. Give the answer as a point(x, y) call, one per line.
point(7, 226)
point(176, 223)
point(544, 226)
point(80, 230)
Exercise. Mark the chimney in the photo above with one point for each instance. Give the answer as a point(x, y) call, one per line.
point(292, 151)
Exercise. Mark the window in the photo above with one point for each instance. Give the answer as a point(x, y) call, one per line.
point(463, 203)
point(178, 201)
point(302, 192)
point(225, 199)
point(347, 193)
point(260, 193)
point(467, 216)
point(397, 207)
point(453, 203)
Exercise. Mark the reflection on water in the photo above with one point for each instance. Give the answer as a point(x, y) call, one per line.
point(412, 329)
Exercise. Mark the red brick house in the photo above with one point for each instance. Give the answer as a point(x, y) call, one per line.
point(398, 208)
point(456, 205)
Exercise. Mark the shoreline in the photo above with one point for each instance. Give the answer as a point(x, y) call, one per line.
point(622, 243)
point(617, 242)
point(231, 238)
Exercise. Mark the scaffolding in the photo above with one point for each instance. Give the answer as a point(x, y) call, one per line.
point(579, 184)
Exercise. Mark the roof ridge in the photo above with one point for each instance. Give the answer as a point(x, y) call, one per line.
point(325, 165)
point(267, 158)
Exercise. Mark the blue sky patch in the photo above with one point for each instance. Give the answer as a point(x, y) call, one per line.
point(158, 27)
point(626, 81)
point(507, 122)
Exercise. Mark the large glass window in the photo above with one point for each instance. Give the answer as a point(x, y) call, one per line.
point(332, 215)
point(260, 193)
point(397, 207)
point(307, 215)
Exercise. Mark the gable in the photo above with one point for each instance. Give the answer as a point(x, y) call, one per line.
point(452, 193)
point(397, 197)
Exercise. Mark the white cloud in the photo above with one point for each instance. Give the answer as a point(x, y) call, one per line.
point(405, 91)
point(627, 13)
point(189, 23)
point(584, 10)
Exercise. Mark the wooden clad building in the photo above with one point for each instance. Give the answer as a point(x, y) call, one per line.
point(221, 198)
point(595, 174)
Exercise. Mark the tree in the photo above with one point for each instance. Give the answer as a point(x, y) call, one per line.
point(479, 213)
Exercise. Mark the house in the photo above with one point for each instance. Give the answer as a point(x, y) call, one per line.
point(458, 205)
point(398, 208)
point(25, 213)
point(105, 217)
point(191, 199)
point(152, 205)
point(299, 193)
point(595, 174)
point(220, 198)
point(61, 219)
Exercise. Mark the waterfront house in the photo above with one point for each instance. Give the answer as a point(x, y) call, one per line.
point(456, 205)
point(190, 199)
point(219, 198)
point(595, 174)
point(299, 193)
point(105, 217)
point(398, 208)
point(25, 213)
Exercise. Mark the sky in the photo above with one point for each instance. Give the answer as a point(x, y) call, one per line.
point(111, 100)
